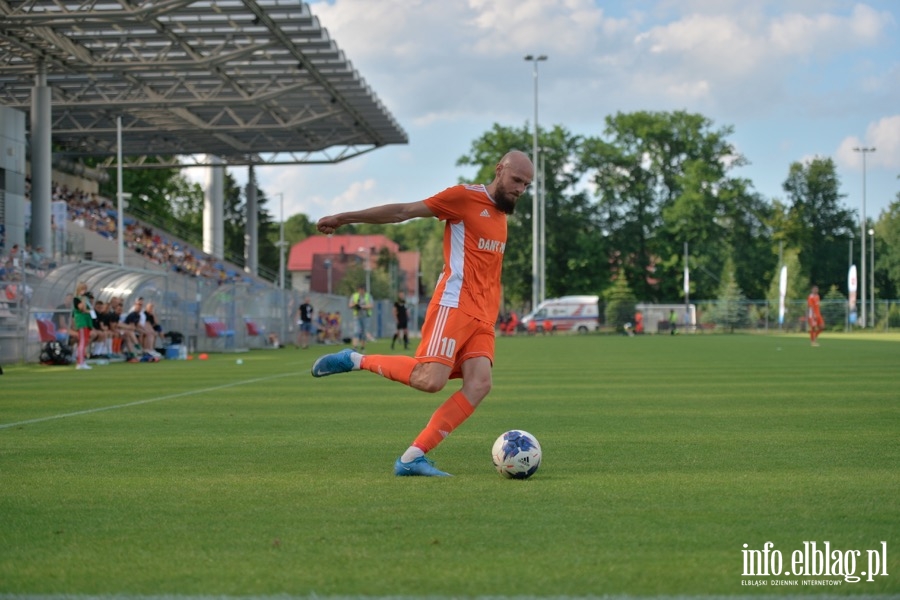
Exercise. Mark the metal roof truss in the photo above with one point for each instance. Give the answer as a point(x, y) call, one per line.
point(250, 81)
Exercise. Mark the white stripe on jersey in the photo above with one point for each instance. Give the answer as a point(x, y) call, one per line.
point(437, 333)
point(452, 288)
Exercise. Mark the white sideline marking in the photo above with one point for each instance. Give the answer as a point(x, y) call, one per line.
point(127, 405)
point(399, 597)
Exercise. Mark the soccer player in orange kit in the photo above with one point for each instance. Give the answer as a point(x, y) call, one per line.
point(458, 333)
point(814, 319)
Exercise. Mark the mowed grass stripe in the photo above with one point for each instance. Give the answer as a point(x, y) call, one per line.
point(663, 455)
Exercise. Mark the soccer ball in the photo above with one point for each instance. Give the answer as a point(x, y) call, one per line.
point(516, 454)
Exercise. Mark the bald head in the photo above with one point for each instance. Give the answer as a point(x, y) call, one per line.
point(518, 160)
point(513, 173)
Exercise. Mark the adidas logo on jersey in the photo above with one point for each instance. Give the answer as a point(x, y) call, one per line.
point(485, 213)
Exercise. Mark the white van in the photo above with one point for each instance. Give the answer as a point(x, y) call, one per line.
point(570, 313)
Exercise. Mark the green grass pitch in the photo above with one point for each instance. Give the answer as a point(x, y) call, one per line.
point(663, 457)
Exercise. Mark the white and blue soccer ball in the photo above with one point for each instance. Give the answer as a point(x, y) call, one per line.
point(516, 454)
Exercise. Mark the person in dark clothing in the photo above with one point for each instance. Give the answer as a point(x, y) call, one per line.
point(401, 315)
point(304, 323)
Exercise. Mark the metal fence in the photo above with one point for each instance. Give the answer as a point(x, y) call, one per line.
point(206, 315)
point(259, 315)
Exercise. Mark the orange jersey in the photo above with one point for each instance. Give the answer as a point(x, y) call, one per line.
point(474, 243)
point(814, 314)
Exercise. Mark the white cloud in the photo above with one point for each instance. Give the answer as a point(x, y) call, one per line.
point(882, 135)
point(792, 76)
point(885, 136)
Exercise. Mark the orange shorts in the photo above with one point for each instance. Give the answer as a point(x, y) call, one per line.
point(451, 337)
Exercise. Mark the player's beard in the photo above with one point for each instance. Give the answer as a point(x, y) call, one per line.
point(505, 201)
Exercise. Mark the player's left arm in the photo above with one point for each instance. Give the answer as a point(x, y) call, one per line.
point(377, 215)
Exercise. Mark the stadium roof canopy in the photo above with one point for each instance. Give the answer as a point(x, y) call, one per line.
point(250, 81)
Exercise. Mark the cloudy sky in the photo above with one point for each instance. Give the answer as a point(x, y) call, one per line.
point(794, 78)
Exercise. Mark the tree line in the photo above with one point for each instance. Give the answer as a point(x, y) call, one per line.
point(619, 207)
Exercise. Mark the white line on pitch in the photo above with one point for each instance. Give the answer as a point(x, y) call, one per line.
point(139, 402)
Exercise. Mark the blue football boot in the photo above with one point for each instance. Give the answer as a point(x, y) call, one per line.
point(330, 364)
point(420, 466)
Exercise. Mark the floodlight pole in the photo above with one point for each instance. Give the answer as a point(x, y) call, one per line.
point(542, 257)
point(535, 210)
point(281, 245)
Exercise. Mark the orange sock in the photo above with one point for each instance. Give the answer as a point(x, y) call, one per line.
point(445, 419)
point(395, 368)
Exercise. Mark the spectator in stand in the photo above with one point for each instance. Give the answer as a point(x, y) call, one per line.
point(109, 320)
point(101, 334)
point(95, 334)
point(153, 327)
point(98, 214)
point(37, 259)
point(112, 319)
point(334, 327)
point(12, 259)
point(81, 316)
point(127, 331)
point(322, 328)
point(142, 331)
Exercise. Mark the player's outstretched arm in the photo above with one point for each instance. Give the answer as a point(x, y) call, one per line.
point(386, 213)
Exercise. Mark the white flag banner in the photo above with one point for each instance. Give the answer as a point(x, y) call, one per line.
point(782, 292)
point(687, 281)
point(851, 287)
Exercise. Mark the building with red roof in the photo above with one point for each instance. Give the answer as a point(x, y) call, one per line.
point(318, 263)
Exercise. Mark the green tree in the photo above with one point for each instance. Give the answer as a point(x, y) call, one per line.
point(731, 311)
point(576, 261)
point(723, 220)
point(657, 178)
point(620, 304)
point(887, 252)
point(297, 228)
point(150, 190)
point(379, 281)
point(834, 309)
point(816, 223)
point(186, 201)
point(163, 197)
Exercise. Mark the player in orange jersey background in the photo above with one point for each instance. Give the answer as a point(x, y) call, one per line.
point(458, 333)
point(814, 319)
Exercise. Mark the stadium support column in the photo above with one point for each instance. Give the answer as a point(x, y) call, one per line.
point(120, 196)
point(214, 211)
point(12, 176)
point(251, 241)
point(41, 149)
